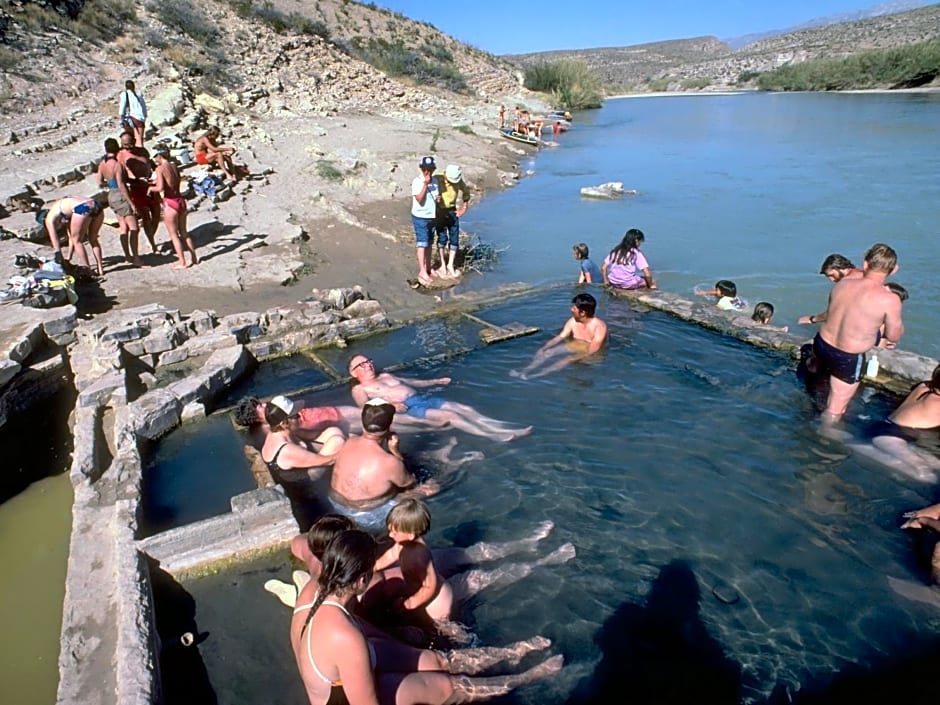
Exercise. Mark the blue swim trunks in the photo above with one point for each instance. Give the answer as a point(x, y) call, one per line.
point(419, 404)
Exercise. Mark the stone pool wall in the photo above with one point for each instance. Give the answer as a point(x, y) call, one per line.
point(122, 365)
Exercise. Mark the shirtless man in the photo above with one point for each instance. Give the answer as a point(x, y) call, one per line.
point(208, 151)
point(587, 335)
point(136, 163)
point(858, 306)
point(835, 268)
point(402, 393)
point(369, 468)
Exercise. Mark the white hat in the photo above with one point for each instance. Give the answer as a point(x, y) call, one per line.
point(453, 173)
point(281, 408)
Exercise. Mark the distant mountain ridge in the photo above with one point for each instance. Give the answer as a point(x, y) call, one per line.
point(707, 63)
point(888, 8)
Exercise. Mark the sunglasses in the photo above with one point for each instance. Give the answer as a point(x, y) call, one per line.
point(360, 364)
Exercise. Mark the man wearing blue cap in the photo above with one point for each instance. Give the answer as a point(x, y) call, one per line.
point(425, 194)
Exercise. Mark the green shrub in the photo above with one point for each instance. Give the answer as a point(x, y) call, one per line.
point(9, 59)
point(395, 59)
point(328, 172)
point(96, 20)
point(571, 83)
point(899, 67)
point(463, 129)
point(694, 84)
point(659, 85)
point(187, 19)
point(747, 76)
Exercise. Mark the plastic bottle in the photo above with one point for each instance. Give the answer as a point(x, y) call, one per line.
point(871, 371)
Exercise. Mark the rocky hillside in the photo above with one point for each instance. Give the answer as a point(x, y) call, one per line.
point(324, 57)
point(675, 66)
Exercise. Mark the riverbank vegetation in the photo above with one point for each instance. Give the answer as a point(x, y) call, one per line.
point(900, 67)
point(571, 84)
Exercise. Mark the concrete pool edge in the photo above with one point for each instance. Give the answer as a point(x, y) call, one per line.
point(109, 647)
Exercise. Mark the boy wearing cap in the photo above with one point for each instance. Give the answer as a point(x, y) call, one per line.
point(452, 188)
point(425, 195)
point(369, 468)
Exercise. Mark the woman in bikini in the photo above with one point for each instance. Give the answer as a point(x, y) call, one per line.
point(338, 664)
point(81, 219)
point(167, 184)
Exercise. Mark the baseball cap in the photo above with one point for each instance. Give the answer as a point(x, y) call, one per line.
point(280, 408)
point(453, 173)
point(427, 163)
point(377, 415)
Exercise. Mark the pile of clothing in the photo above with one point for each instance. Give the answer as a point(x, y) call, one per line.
point(42, 283)
point(206, 184)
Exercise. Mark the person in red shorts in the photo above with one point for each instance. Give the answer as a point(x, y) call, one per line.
point(209, 152)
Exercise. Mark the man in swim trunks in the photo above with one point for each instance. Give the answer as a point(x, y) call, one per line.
point(858, 307)
point(369, 468)
point(835, 268)
point(402, 393)
point(583, 335)
point(208, 151)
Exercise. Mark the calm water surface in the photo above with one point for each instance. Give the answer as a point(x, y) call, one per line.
point(686, 469)
point(756, 188)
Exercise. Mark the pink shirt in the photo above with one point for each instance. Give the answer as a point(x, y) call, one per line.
point(627, 276)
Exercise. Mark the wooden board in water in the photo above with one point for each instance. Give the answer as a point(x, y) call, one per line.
point(506, 332)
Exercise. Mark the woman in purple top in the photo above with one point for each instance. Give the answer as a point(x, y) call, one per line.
point(626, 267)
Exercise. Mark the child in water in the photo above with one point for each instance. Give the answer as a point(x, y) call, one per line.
point(727, 293)
point(590, 273)
point(410, 577)
point(764, 314)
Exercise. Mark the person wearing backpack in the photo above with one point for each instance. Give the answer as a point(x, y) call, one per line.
point(133, 112)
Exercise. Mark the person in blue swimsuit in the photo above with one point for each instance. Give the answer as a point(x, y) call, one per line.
point(403, 394)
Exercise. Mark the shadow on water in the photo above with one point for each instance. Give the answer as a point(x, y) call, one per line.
point(660, 652)
point(907, 675)
point(185, 679)
point(25, 463)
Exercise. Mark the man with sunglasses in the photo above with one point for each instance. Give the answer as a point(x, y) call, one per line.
point(403, 394)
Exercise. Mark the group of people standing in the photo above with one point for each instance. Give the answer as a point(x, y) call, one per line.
point(144, 189)
point(437, 204)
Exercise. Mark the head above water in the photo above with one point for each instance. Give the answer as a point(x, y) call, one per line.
point(934, 382)
point(724, 287)
point(377, 416)
point(280, 409)
point(836, 261)
point(585, 303)
point(348, 558)
point(246, 412)
point(324, 530)
point(410, 516)
point(580, 250)
point(898, 291)
point(358, 364)
point(881, 258)
point(763, 312)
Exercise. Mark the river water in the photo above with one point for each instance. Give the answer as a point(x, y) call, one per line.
point(757, 188)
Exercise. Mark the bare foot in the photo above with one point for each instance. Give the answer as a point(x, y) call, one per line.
point(300, 578)
point(179, 265)
point(287, 594)
point(471, 661)
point(562, 554)
point(515, 373)
point(543, 530)
point(138, 262)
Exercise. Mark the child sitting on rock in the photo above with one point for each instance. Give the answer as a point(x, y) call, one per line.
point(590, 273)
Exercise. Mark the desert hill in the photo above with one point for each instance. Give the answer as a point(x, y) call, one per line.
point(706, 62)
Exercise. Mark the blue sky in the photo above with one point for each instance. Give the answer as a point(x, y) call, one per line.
point(493, 26)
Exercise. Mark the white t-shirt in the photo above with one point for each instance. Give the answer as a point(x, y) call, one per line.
point(428, 209)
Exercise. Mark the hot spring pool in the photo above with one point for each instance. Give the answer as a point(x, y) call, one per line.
point(720, 539)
